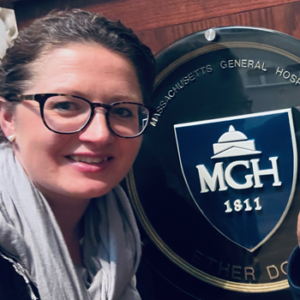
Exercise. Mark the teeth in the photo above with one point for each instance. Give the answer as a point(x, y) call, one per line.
point(89, 160)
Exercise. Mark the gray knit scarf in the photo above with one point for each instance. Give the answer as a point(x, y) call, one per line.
point(29, 231)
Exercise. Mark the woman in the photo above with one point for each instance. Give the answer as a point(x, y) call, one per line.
point(72, 91)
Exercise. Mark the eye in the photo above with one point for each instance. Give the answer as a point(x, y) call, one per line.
point(66, 106)
point(123, 112)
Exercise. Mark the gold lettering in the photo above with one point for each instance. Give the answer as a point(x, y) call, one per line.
point(236, 270)
point(237, 63)
point(153, 121)
point(257, 65)
point(202, 69)
point(284, 264)
point(230, 64)
point(209, 68)
point(176, 88)
point(249, 271)
point(196, 71)
point(293, 78)
point(286, 75)
point(251, 64)
point(273, 272)
point(223, 64)
point(226, 269)
point(198, 257)
point(211, 261)
point(163, 104)
point(182, 84)
point(191, 77)
point(279, 71)
point(171, 93)
point(186, 80)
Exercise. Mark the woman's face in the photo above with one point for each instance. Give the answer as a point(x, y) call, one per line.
point(99, 75)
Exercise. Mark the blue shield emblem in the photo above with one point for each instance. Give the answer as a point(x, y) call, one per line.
point(241, 172)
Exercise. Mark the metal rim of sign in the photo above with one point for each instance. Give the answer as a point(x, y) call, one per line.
point(145, 222)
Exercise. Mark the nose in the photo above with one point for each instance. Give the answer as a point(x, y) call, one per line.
point(97, 130)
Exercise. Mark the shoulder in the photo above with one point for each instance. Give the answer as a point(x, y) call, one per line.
point(12, 285)
point(293, 273)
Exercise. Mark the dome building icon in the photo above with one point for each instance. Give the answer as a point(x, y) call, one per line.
point(234, 143)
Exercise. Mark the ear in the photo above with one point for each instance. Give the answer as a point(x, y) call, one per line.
point(6, 118)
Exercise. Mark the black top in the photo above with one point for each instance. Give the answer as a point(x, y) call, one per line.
point(13, 285)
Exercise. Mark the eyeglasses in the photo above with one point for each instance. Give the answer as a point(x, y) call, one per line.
point(67, 114)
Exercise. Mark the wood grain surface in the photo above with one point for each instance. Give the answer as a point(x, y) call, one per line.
point(143, 15)
point(284, 18)
point(160, 22)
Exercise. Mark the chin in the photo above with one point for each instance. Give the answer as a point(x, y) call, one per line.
point(92, 192)
point(79, 191)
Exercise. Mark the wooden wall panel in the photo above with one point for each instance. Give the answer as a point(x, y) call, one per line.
point(284, 18)
point(148, 14)
point(160, 22)
point(143, 14)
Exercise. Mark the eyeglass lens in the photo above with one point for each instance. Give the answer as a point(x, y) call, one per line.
point(67, 114)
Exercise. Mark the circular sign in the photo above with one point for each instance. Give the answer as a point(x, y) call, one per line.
point(215, 184)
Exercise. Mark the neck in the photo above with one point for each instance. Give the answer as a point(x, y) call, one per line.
point(69, 215)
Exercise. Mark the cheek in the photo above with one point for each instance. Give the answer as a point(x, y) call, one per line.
point(28, 124)
point(40, 154)
point(31, 131)
point(36, 146)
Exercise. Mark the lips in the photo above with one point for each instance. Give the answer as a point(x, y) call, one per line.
point(88, 159)
point(90, 163)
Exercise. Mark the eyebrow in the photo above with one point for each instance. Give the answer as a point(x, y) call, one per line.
point(117, 96)
point(127, 97)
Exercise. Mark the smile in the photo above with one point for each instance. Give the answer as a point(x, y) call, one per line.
point(88, 160)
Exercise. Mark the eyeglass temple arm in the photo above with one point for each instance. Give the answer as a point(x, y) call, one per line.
point(28, 97)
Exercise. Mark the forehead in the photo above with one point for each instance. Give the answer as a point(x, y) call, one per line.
point(89, 69)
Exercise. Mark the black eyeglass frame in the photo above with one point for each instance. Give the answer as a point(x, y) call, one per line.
point(42, 98)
